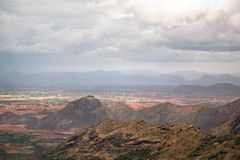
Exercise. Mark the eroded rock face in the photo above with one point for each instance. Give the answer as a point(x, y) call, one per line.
point(235, 125)
point(230, 127)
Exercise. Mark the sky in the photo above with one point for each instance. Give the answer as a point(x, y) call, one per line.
point(81, 35)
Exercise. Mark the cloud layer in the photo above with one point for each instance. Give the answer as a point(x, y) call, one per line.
point(124, 30)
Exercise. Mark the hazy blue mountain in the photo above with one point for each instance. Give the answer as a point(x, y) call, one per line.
point(72, 79)
point(213, 79)
point(190, 75)
point(108, 78)
point(216, 90)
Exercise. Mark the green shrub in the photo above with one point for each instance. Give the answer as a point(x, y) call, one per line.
point(138, 154)
point(218, 155)
point(237, 141)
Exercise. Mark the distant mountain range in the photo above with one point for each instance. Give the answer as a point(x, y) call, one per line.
point(190, 75)
point(109, 78)
point(216, 90)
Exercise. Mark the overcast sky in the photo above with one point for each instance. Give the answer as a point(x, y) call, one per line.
point(81, 35)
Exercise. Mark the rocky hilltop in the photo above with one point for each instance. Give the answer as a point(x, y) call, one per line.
point(118, 140)
point(88, 104)
point(81, 113)
point(138, 140)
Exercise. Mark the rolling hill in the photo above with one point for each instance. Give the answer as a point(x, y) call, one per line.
point(88, 110)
